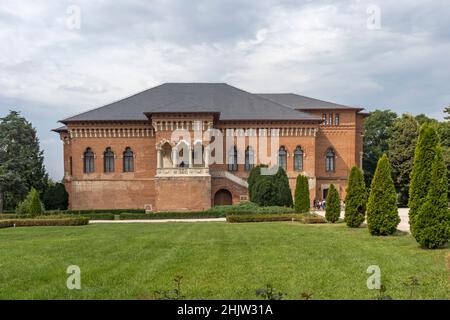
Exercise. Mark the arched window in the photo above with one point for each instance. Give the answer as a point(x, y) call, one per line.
point(108, 160)
point(233, 159)
point(249, 158)
point(88, 161)
point(128, 160)
point(298, 159)
point(282, 157)
point(330, 162)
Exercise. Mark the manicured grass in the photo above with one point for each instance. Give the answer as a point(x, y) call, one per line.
point(216, 260)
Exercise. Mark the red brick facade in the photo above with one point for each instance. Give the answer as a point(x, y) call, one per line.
point(170, 188)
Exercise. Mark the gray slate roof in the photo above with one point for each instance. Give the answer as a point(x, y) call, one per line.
point(296, 101)
point(232, 104)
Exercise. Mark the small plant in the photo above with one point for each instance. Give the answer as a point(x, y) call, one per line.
point(32, 205)
point(306, 296)
point(382, 293)
point(412, 283)
point(270, 293)
point(174, 294)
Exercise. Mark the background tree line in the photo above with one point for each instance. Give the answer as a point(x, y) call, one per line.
point(386, 132)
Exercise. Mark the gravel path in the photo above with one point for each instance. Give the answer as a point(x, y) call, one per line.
point(403, 226)
point(402, 212)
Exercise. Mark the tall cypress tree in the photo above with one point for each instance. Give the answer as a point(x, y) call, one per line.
point(355, 199)
point(432, 222)
point(382, 211)
point(302, 202)
point(333, 205)
point(420, 176)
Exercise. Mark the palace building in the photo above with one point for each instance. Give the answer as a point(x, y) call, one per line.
point(190, 146)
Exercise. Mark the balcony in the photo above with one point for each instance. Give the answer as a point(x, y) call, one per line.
point(183, 172)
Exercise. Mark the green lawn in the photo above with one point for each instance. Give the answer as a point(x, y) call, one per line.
point(217, 261)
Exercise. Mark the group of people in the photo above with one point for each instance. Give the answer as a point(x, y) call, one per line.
point(322, 204)
point(319, 204)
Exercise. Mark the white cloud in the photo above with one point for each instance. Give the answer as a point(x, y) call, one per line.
point(318, 48)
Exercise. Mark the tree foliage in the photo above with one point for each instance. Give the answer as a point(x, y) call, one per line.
point(302, 201)
point(333, 205)
point(355, 199)
point(402, 143)
point(382, 211)
point(31, 205)
point(21, 160)
point(252, 177)
point(55, 197)
point(376, 135)
point(424, 155)
point(272, 190)
point(432, 222)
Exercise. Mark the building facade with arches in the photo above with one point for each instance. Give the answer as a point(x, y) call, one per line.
point(190, 146)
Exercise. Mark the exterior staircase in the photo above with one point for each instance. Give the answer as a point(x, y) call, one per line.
point(229, 176)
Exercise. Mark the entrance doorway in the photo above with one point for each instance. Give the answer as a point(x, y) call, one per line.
point(325, 194)
point(223, 197)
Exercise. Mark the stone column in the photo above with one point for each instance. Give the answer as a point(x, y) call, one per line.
point(206, 156)
point(191, 160)
point(158, 158)
point(174, 157)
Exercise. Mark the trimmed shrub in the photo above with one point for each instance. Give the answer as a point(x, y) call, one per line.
point(247, 208)
point(313, 219)
point(355, 199)
point(253, 177)
point(94, 211)
point(32, 204)
point(432, 222)
point(56, 197)
point(6, 224)
point(264, 217)
point(169, 215)
point(302, 201)
point(420, 176)
point(382, 211)
point(264, 192)
point(272, 190)
point(8, 216)
point(306, 219)
point(333, 205)
point(49, 222)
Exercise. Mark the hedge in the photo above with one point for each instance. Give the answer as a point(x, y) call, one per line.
point(112, 211)
point(4, 216)
point(6, 224)
point(170, 215)
point(307, 219)
point(49, 214)
point(79, 221)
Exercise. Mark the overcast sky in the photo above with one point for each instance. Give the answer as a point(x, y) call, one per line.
point(374, 54)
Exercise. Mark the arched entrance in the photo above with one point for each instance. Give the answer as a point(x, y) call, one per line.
point(223, 197)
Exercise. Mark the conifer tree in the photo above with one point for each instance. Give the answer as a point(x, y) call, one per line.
point(432, 222)
point(424, 156)
point(333, 205)
point(382, 211)
point(302, 201)
point(355, 199)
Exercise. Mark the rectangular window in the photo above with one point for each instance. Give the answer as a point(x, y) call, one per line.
point(70, 166)
point(331, 119)
point(337, 119)
point(324, 117)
